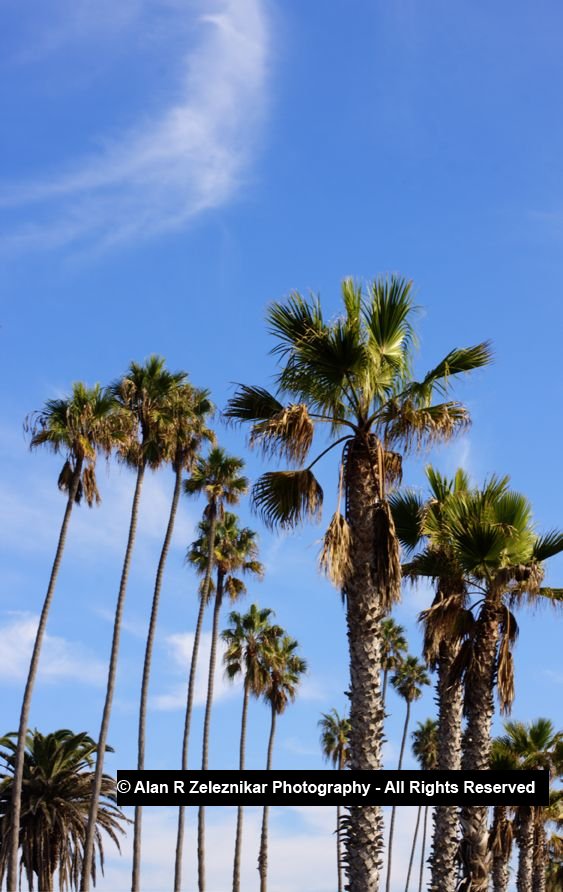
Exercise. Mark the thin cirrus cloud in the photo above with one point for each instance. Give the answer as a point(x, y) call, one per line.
point(189, 158)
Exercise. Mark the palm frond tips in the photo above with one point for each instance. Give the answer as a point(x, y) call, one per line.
point(422, 426)
point(335, 559)
point(289, 432)
point(387, 557)
point(284, 498)
point(252, 404)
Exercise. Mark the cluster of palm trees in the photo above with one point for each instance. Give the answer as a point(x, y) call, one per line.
point(349, 381)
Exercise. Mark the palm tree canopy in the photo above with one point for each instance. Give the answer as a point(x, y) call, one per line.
point(409, 679)
point(78, 427)
point(534, 745)
point(248, 639)
point(218, 477)
point(55, 803)
point(283, 669)
point(353, 373)
point(335, 737)
point(393, 643)
point(145, 392)
point(235, 551)
point(425, 744)
point(183, 424)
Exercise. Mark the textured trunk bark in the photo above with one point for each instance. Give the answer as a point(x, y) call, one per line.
point(112, 673)
point(207, 727)
point(240, 810)
point(413, 848)
point(394, 808)
point(190, 698)
point(384, 688)
point(17, 783)
point(136, 875)
point(338, 835)
point(423, 852)
point(501, 851)
point(525, 851)
point(364, 832)
point(479, 709)
point(540, 854)
point(263, 855)
point(445, 841)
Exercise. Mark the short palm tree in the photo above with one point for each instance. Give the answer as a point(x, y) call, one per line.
point(284, 668)
point(554, 872)
point(408, 681)
point(57, 782)
point(248, 639)
point(393, 647)
point(144, 393)
point(335, 735)
point(421, 527)
point(183, 428)
point(425, 750)
point(353, 374)
point(502, 830)
point(218, 477)
point(235, 552)
point(76, 427)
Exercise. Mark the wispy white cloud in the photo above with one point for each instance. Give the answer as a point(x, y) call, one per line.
point(179, 648)
point(60, 659)
point(159, 175)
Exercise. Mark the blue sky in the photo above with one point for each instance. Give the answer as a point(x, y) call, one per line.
point(168, 167)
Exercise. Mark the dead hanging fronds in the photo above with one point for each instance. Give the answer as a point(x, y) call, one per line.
point(387, 556)
point(65, 477)
point(289, 433)
point(90, 486)
point(393, 465)
point(505, 669)
point(445, 620)
point(336, 557)
point(418, 427)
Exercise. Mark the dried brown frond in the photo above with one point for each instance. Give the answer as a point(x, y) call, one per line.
point(421, 427)
point(90, 486)
point(65, 477)
point(393, 463)
point(501, 837)
point(505, 670)
point(289, 433)
point(335, 559)
point(445, 620)
point(387, 557)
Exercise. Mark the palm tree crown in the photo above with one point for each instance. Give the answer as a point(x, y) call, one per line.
point(335, 734)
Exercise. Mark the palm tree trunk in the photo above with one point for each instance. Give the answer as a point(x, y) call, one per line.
point(413, 847)
point(500, 848)
point(423, 852)
point(384, 687)
point(17, 782)
point(443, 857)
point(394, 809)
point(240, 810)
point(479, 708)
point(341, 760)
point(112, 673)
point(136, 877)
point(263, 855)
point(364, 611)
point(185, 742)
point(526, 851)
point(540, 855)
point(207, 728)
point(191, 689)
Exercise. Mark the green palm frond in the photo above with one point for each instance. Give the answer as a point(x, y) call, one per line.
point(387, 314)
point(406, 508)
point(548, 545)
point(458, 361)
point(252, 404)
point(416, 427)
point(294, 321)
point(284, 498)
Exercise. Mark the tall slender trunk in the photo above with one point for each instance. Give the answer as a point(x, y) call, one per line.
point(338, 834)
point(17, 782)
point(240, 810)
point(207, 728)
point(501, 850)
point(540, 853)
point(423, 851)
point(525, 850)
point(413, 847)
point(384, 687)
point(263, 855)
point(112, 673)
point(479, 709)
point(364, 611)
point(445, 840)
point(191, 690)
point(136, 875)
point(394, 808)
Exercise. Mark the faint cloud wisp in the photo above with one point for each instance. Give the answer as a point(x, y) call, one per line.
point(157, 177)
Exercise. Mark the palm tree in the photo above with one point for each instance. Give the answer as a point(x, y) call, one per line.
point(235, 551)
point(352, 373)
point(284, 668)
point(247, 640)
point(548, 860)
point(420, 525)
point(335, 734)
point(76, 427)
point(57, 782)
point(393, 646)
point(534, 745)
point(554, 872)
point(218, 477)
point(425, 750)
point(502, 831)
point(408, 682)
point(144, 393)
point(183, 428)
point(494, 542)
